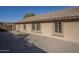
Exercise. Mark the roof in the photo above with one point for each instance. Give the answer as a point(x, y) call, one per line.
point(70, 13)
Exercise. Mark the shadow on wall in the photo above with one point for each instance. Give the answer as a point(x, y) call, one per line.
point(18, 43)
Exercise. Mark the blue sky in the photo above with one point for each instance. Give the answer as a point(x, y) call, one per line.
point(15, 13)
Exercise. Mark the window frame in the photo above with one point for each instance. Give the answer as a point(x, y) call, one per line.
point(37, 27)
point(58, 29)
point(58, 33)
point(24, 26)
point(33, 26)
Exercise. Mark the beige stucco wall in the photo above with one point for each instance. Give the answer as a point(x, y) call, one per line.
point(17, 27)
point(71, 30)
point(21, 27)
point(47, 28)
point(29, 27)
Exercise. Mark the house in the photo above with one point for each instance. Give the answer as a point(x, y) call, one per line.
point(63, 24)
point(1, 25)
point(8, 26)
point(5, 26)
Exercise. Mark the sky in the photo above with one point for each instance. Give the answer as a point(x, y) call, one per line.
point(16, 13)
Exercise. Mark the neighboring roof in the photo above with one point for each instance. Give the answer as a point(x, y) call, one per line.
point(6, 23)
point(70, 13)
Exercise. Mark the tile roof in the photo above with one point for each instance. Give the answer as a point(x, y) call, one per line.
point(56, 15)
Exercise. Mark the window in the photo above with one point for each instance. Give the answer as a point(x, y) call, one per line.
point(58, 27)
point(24, 26)
point(36, 26)
point(33, 26)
